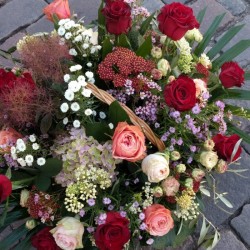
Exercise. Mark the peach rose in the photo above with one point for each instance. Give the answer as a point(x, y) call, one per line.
point(201, 87)
point(59, 8)
point(128, 143)
point(68, 233)
point(170, 186)
point(8, 137)
point(158, 220)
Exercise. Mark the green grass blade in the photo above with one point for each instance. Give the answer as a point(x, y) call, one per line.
point(238, 131)
point(247, 75)
point(208, 35)
point(230, 54)
point(201, 15)
point(145, 25)
point(224, 41)
point(239, 94)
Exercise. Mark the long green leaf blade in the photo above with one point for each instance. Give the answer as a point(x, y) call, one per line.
point(239, 132)
point(247, 75)
point(101, 23)
point(145, 48)
point(224, 41)
point(201, 15)
point(145, 25)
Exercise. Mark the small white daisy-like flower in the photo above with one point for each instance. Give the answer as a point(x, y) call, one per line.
point(29, 159)
point(98, 47)
point(40, 161)
point(89, 74)
point(150, 241)
point(93, 50)
point(88, 112)
point(64, 107)
point(14, 156)
point(93, 112)
point(102, 115)
point(19, 141)
point(86, 92)
point(66, 77)
point(69, 95)
point(89, 64)
point(21, 147)
point(12, 150)
point(91, 80)
point(72, 69)
point(69, 25)
point(76, 124)
point(85, 46)
point(35, 146)
point(72, 52)
point(32, 138)
point(78, 67)
point(65, 120)
point(75, 106)
point(61, 31)
point(68, 35)
point(78, 38)
point(74, 86)
point(82, 81)
point(111, 125)
point(84, 55)
point(21, 161)
point(62, 22)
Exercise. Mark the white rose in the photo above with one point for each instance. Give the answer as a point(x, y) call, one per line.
point(156, 167)
point(208, 159)
point(164, 66)
point(68, 233)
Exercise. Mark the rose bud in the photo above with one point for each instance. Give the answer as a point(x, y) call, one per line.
point(156, 52)
point(209, 145)
point(156, 167)
point(30, 224)
point(231, 75)
point(156, 74)
point(157, 192)
point(221, 167)
point(208, 159)
point(181, 168)
point(24, 196)
point(163, 39)
point(5, 188)
point(60, 8)
point(170, 186)
point(189, 183)
point(175, 155)
point(198, 174)
point(171, 78)
point(194, 35)
point(164, 66)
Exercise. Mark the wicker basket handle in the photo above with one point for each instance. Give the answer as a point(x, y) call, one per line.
point(108, 99)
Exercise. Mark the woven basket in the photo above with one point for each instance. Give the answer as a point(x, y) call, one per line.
point(108, 99)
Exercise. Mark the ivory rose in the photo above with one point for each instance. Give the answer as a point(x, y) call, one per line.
point(7, 137)
point(128, 143)
point(156, 167)
point(68, 233)
point(59, 8)
point(208, 159)
point(158, 220)
point(170, 186)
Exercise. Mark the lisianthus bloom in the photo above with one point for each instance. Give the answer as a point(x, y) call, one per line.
point(60, 8)
point(5, 188)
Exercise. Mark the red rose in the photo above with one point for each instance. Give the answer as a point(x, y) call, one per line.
point(44, 240)
point(176, 19)
point(224, 145)
point(118, 17)
point(231, 75)
point(5, 188)
point(181, 93)
point(113, 234)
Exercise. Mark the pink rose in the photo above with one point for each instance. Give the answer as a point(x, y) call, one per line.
point(158, 220)
point(128, 143)
point(68, 233)
point(170, 186)
point(8, 137)
point(201, 87)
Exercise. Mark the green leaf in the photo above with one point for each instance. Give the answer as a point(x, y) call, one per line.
point(107, 47)
point(13, 237)
point(101, 23)
point(205, 191)
point(22, 183)
point(215, 241)
point(52, 167)
point(201, 15)
point(235, 150)
point(230, 94)
point(42, 182)
point(8, 173)
point(4, 213)
point(247, 75)
point(242, 134)
point(164, 241)
point(145, 48)
point(46, 123)
point(224, 41)
point(204, 231)
point(122, 41)
point(117, 113)
point(133, 37)
point(231, 53)
point(99, 130)
point(182, 236)
point(145, 25)
point(209, 34)
point(12, 50)
point(5, 54)
point(225, 201)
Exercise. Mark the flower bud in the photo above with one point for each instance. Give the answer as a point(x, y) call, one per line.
point(30, 224)
point(164, 66)
point(171, 78)
point(189, 183)
point(156, 52)
point(157, 192)
point(175, 155)
point(198, 174)
point(208, 159)
point(194, 34)
point(156, 74)
point(170, 186)
point(181, 168)
point(209, 145)
point(163, 39)
point(221, 167)
point(24, 196)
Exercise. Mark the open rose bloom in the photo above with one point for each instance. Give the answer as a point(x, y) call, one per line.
point(113, 132)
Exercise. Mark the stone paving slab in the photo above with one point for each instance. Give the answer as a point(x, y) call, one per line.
point(42, 25)
point(26, 12)
point(153, 5)
point(236, 7)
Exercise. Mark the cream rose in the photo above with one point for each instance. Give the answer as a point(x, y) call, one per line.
point(156, 167)
point(164, 66)
point(221, 166)
point(170, 186)
point(208, 159)
point(68, 233)
point(198, 174)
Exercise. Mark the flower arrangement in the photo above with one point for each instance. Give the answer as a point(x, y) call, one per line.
point(111, 133)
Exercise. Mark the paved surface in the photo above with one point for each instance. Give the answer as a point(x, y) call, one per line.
point(18, 17)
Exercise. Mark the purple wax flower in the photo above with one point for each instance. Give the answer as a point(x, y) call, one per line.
point(106, 201)
point(193, 148)
point(91, 202)
point(196, 109)
point(82, 213)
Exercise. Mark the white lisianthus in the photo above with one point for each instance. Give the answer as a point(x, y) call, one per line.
point(76, 124)
point(156, 167)
point(40, 161)
point(64, 107)
point(208, 159)
point(164, 66)
point(183, 46)
point(75, 106)
point(82, 80)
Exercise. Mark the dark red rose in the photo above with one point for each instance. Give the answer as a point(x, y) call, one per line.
point(114, 233)
point(44, 240)
point(231, 75)
point(224, 146)
point(6, 79)
point(5, 188)
point(176, 19)
point(181, 93)
point(118, 16)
